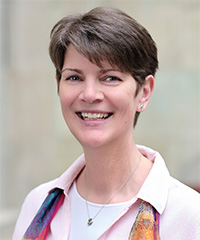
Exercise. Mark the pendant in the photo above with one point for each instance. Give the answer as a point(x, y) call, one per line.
point(90, 221)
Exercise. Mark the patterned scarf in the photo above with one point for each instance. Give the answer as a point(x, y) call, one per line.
point(39, 227)
point(145, 227)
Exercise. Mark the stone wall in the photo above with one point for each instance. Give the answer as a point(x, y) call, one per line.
point(36, 146)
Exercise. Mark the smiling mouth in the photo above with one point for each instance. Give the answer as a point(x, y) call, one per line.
point(93, 116)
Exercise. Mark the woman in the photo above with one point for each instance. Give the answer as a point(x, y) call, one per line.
point(105, 66)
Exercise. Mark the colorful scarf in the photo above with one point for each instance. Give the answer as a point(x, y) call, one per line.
point(145, 227)
point(39, 227)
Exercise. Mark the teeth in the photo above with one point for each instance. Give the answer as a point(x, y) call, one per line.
point(93, 116)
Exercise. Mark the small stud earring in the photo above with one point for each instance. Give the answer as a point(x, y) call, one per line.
point(141, 106)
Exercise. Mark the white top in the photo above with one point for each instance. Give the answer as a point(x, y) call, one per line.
point(79, 228)
point(177, 204)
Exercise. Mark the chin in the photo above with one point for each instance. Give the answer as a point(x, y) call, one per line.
point(92, 141)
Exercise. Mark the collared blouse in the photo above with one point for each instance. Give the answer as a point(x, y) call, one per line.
point(177, 204)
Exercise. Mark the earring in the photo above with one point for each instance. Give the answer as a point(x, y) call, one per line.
point(141, 107)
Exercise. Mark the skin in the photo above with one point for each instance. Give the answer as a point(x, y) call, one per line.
point(108, 144)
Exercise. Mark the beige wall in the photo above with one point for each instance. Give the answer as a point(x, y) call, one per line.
point(35, 145)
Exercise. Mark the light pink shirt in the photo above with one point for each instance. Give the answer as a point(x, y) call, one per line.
point(178, 205)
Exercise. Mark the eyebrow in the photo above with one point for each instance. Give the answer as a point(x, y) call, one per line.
point(102, 70)
point(72, 69)
point(109, 70)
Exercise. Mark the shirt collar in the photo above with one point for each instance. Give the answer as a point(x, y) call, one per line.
point(156, 186)
point(154, 190)
point(67, 178)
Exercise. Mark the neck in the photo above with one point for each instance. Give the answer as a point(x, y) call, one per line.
point(107, 168)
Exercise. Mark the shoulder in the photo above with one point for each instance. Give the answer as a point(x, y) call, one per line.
point(182, 192)
point(183, 208)
point(30, 207)
point(38, 194)
point(36, 197)
point(181, 216)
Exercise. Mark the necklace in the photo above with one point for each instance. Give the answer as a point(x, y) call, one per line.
point(91, 219)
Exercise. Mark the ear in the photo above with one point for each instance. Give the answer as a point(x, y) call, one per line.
point(145, 93)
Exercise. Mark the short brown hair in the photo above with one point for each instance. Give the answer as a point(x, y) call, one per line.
point(106, 34)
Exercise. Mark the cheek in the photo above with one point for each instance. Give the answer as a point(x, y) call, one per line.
point(125, 108)
point(67, 96)
point(128, 106)
point(65, 102)
point(126, 99)
point(64, 98)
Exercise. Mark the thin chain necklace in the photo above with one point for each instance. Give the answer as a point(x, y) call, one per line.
point(91, 219)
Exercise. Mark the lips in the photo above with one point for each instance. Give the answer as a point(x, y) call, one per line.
point(88, 116)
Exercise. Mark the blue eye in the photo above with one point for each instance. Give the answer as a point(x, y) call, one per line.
point(112, 79)
point(73, 78)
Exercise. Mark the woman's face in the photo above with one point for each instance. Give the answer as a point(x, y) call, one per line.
point(98, 104)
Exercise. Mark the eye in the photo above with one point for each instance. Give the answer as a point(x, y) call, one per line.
point(73, 78)
point(112, 79)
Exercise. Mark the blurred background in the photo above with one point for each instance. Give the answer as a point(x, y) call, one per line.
point(35, 144)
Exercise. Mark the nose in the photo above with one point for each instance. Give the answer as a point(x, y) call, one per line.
point(91, 92)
